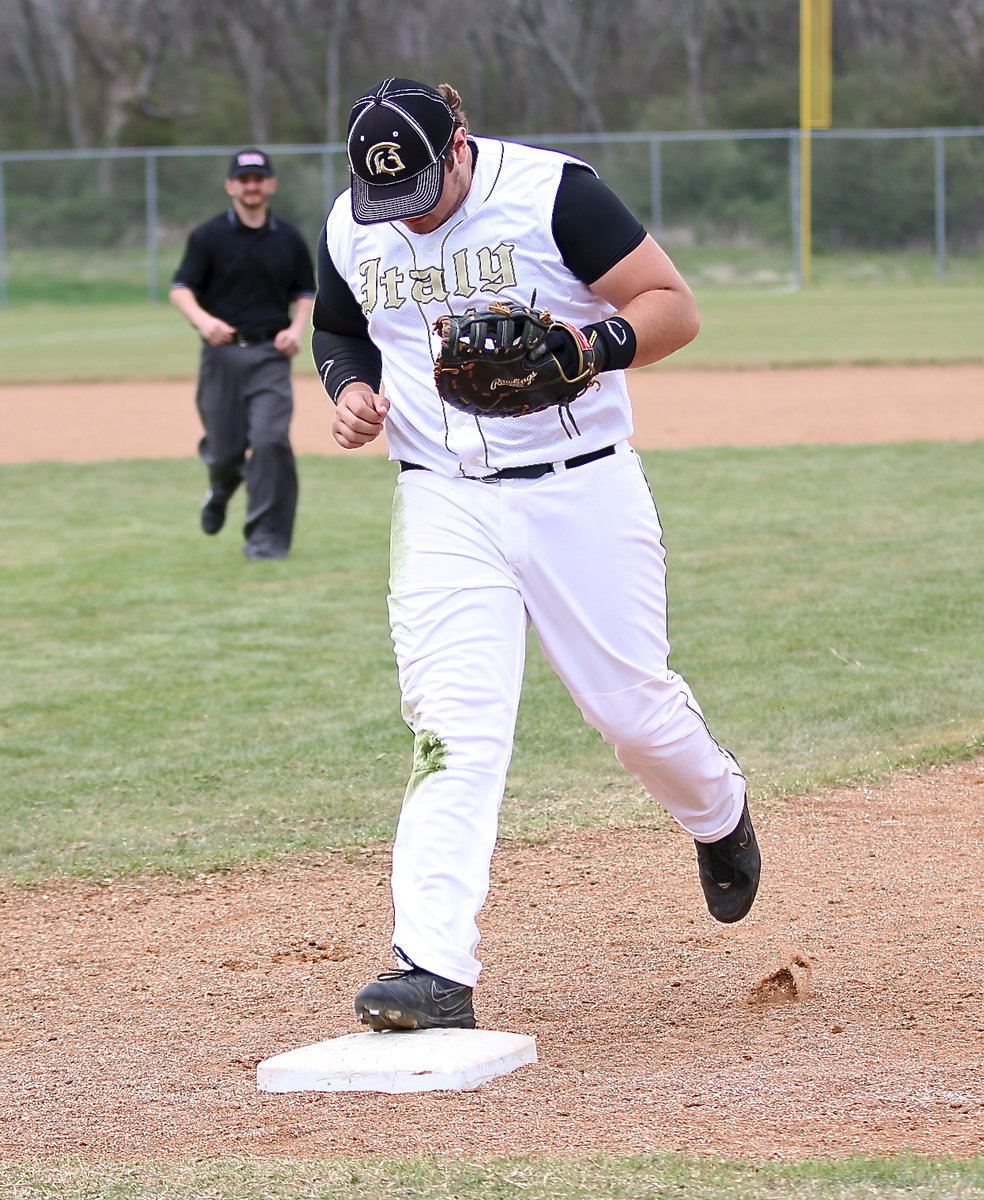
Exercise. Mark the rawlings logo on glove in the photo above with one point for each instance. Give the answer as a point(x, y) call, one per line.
point(510, 360)
point(524, 382)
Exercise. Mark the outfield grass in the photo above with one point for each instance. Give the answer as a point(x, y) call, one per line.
point(596, 1177)
point(745, 327)
point(123, 275)
point(168, 705)
point(644, 1177)
point(832, 323)
point(87, 275)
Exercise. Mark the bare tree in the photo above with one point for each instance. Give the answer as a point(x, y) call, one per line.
point(79, 70)
point(248, 53)
point(51, 48)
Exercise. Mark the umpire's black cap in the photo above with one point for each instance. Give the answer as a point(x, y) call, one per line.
point(250, 161)
point(397, 135)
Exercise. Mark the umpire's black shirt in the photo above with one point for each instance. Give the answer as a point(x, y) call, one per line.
point(247, 277)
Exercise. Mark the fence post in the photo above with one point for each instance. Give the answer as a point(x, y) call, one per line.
point(656, 185)
point(328, 175)
point(4, 289)
point(795, 205)
point(150, 202)
point(939, 188)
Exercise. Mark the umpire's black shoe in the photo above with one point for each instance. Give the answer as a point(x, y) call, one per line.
point(729, 871)
point(213, 512)
point(415, 1000)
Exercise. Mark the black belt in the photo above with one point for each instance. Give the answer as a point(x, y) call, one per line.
point(253, 339)
point(533, 471)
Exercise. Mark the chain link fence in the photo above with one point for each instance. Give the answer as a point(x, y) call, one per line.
point(887, 205)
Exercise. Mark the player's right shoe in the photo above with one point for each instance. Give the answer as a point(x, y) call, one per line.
point(415, 999)
point(729, 871)
point(213, 512)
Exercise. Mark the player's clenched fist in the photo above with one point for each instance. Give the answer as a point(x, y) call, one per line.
point(359, 416)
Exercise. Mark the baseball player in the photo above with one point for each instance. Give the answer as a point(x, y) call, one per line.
point(498, 522)
point(246, 283)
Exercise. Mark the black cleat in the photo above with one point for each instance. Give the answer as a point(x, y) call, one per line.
point(213, 512)
point(415, 999)
point(729, 871)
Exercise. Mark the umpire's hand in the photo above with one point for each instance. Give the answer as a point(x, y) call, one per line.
point(215, 331)
point(288, 341)
point(359, 416)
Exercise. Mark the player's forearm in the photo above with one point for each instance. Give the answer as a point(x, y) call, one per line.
point(663, 321)
point(646, 290)
point(342, 360)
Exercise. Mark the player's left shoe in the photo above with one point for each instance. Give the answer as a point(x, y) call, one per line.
point(415, 999)
point(729, 871)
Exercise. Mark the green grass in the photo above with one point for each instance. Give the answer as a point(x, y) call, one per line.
point(98, 275)
point(764, 267)
point(649, 1177)
point(169, 706)
point(123, 275)
point(46, 343)
point(828, 322)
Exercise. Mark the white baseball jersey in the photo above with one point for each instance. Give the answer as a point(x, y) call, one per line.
point(576, 551)
point(497, 246)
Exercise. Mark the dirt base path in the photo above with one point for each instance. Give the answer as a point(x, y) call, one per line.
point(843, 1016)
point(91, 422)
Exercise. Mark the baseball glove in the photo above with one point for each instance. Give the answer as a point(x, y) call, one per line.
point(510, 360)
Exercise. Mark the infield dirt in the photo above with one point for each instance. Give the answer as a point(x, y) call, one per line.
point(673, 408)
point(844, 1016)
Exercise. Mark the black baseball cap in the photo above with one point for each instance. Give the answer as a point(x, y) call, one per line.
point(250, 161)
point(397, 136)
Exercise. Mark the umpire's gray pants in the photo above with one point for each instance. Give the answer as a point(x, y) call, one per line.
point(245, 402)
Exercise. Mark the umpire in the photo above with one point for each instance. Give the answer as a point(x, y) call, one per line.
point(246, 283)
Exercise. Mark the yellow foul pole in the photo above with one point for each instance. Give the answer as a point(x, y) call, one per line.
point(815, 109)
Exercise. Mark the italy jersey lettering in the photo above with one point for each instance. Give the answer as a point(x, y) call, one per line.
point(483, 252)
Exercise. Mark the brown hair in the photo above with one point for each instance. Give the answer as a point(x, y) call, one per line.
point(453, 100)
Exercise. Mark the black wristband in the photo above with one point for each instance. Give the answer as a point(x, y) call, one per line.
point(614, 343)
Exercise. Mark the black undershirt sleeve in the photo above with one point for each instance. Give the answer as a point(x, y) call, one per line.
point(343, 351)
point(591, 226)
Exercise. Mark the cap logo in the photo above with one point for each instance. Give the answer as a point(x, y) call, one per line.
point(384, 159)
point(251, 160)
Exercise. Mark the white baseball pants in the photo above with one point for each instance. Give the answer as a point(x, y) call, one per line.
point(578, 553)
